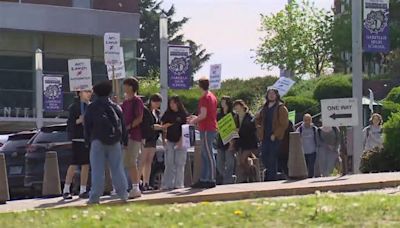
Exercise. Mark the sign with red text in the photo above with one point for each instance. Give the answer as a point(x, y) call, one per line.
point(80, 74)
point(112, 43)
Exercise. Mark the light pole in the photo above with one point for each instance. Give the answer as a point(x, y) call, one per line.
point(164, 61)
point(39, 87)
point(357, 80)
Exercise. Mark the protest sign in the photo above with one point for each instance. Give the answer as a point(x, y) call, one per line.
point(179, 69)
point(80, 74)
point(52, 93)
point(283, 85)
point(292, 116)
point(188, 136)
point(112, 50)
point(215, 76)
point(119, 69)
point(227, 129)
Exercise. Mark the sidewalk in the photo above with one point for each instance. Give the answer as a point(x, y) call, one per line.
point(359, 182)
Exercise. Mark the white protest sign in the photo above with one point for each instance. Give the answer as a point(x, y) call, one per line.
point(80, 74)
point(339, 112)
point(283, 85)
point(119, 69)
point(215, 76)
point(112, 45)
point(188, 136)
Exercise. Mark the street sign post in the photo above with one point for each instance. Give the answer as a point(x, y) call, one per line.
point(340, 112)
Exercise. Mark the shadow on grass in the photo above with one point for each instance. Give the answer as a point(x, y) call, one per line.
point(58, 203)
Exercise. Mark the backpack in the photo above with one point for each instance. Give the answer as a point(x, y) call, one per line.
point(314, 132)
point(111, 125)
point(146, 126)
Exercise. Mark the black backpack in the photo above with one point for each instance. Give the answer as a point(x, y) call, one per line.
point(111, 125)
point(147, 124)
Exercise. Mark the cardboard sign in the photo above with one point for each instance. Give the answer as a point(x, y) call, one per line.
point(119, 69)
point(283, 85)
point(112, 43)
point(227, 129)
point(188, 136)
point(339, 112)
point(80, 74)
point(292, 116)
point(215, 76)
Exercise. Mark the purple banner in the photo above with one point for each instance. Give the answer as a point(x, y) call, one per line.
point(52, 94)
point(179, 68)
point(376, 26)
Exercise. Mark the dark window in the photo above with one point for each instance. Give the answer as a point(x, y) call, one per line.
point(50, 137)
point(14, 145)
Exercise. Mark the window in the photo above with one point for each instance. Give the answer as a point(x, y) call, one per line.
point(82, 3)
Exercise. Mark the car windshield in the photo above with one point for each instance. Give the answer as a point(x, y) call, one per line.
point(12, 145)
point(50, 137)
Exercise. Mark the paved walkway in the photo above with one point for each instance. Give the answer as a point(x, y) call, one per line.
point(360, 182)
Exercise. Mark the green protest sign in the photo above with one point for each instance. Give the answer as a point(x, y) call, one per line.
point(292, 116)
point(227, 129)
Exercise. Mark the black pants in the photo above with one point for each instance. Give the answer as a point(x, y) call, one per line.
point(310, 161)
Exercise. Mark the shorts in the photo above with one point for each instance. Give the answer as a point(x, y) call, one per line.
point(152, 143)
point(80, 153)
point(131, 154)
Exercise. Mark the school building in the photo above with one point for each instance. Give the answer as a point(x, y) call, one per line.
point(62, 29)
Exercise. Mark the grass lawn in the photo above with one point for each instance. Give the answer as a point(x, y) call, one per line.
point(320, 210)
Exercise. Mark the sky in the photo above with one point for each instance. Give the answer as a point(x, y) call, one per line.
point(229, 30)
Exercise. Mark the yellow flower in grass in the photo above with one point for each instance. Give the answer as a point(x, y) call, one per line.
point(238, 212)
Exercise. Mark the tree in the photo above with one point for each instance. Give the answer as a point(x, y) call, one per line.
point(149, 47)
point(298, 38)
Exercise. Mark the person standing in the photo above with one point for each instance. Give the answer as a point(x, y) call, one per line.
point(80, 152)
point(372, 134)
point(151, 129)
point(328, 149)
point(133, 115)
point(226, 153)
point(308, 133)
point(246, 144)
point(175, 155)
point(207, 124)
point(271, 122)
point(105, 132)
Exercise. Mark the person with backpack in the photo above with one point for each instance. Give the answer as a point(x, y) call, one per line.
point(175, 154)
point(105, 132)
point(328, 149)
point(133, 115)
point(271, 122)
point(308, 134)
point(151, 129)
point(80, 152)
point(226, 153)
point(372, 134)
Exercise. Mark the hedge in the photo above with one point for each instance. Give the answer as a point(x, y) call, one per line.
point(302, 105)
point(333, 87)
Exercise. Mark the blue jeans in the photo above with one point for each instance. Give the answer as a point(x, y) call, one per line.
point(99, 154)
point(310, 161)
point(175, 161)
point(270, 152)
point(208, 164)
point(226, 165)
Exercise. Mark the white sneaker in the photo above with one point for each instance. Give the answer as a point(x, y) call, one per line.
point(135, 193)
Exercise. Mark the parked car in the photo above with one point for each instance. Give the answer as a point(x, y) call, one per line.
point(14, 150)
point(51, 138)
point(3, 139)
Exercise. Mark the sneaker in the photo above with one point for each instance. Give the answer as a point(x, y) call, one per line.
point(210, 184)
point(199, 184)
point(67, 196)
point(84, 195)
point(135, 193)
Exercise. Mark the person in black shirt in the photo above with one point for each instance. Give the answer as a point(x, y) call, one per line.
point(175, 155)
point(80, 152)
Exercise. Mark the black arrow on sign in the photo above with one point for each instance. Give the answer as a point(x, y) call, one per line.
point(341, 116)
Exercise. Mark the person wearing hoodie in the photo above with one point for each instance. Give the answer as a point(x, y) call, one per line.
point(271, 123)
point(308, 133)
point(372, 134)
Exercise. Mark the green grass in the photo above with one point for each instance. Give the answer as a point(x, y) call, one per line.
point(326, 210)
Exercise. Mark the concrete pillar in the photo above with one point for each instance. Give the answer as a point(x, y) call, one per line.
point(188, 172)
point(51, 179)
point(4, 192)
point(297, 163)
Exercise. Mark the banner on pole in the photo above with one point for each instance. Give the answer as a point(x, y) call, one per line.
point(292, 116)
point(376, 26)
point(227, 129)
point(179, 69)
point(80, 74)
point(215, 76)
point(112, 43)
point(52, 93)
point(119, 69)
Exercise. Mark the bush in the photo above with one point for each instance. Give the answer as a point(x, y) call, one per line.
point(391, 141)
point(372, 161)
point(302, 105)
point(394, 95)
point(333, 87)
point(388, 108)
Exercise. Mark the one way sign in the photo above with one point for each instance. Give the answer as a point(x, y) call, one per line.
point(339, 112)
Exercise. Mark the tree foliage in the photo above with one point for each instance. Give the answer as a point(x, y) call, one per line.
point(149, 47)
point(298, 38)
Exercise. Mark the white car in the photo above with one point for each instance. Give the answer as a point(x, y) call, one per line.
point(3, 139)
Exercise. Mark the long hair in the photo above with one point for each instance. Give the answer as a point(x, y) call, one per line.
point(154, 98)
point(278, 97)
point(229, 103)
point(178, 102)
